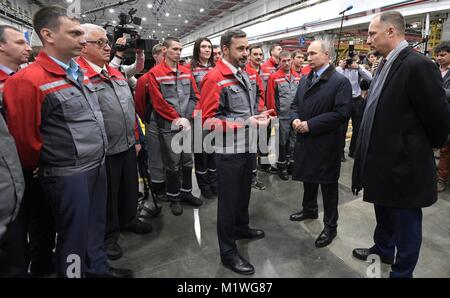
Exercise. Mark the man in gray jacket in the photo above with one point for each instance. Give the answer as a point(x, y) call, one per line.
point(117, 106)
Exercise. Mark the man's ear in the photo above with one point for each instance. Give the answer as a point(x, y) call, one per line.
point(47, 35)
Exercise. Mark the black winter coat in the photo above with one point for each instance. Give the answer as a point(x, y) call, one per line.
point(326, 106)
point(411, 118)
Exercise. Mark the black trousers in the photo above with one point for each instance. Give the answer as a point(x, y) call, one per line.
point(330, 202)
point(121, 210)
point(30, 238)
point(356, 116)
point(234, 177)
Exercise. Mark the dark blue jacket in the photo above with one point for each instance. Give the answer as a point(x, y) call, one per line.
point(326, 106)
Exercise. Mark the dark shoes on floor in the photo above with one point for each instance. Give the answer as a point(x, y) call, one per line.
point(364, 253)
point(191, 200)
point(251, 234)
point(176, 208)
point(299, 216)
point(237, 264)
point(326, 237)
point(140, 228)
point(114, 251)
point(283, 174)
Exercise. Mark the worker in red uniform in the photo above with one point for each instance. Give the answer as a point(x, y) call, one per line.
point(174, 95)
point(281, 91)
point(298, 59)
point(229, 95)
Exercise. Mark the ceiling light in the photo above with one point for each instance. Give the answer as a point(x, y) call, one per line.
point(144, 19)
point(162, 32)
point(159, 24)
point(179, 15)
point(167, 14)
point(150, 5)
point(185, 21)
point(176, 29)
point(168, 34)
point(154, 31)
point(202, 9)
point(114, 22)
point(111, 10)
point(69, 1)
point(140, 27)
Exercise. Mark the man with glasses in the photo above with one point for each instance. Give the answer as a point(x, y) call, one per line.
point(117, 106)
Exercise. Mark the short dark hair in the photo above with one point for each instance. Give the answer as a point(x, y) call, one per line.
point(272, 47)
point(168, 41)
point(49, 17)
point(297, 52)
point(255, 46)
point(442, 47)
point(225, 39)
point(373, 52)
point(285, 54)
point(216, 46)
point(394, 18)
point(3, 29)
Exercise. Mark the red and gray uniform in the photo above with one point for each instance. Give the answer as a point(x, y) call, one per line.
point(64, 133)
point(58, 126)
point(205, 163)
point(117, 106)
point(304, 71)
point(226, 99)
point(12, 184)
point(268, 68)
point(281, 90)
point(146, 113)
point(173, 95)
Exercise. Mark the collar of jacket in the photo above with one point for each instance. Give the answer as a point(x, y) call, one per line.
point(325, 75)
point(49, 65)
point(249, 66)
point(167, 69)
point(3, 76)
point(272, 62)
point(90, 72)
point(281, 74)
point(224, 69)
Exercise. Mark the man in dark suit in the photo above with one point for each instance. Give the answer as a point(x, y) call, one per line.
point(321, 106)
point(406, 115)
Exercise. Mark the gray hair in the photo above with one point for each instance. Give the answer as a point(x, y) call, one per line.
point(395, 19)
point(327, 46)
point(88, 28)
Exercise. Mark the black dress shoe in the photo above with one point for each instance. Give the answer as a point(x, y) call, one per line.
point(299, 216)
point(251, 234)
point(364, 253)
point(325, 238)
point(140, 228)
point(237, 264)
point(113, 273)
point(114, 251)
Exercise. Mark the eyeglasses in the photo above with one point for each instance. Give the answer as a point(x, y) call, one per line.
point(101, 42)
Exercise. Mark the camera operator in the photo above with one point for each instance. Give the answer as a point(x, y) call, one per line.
point(128, 70)
point(355, 73)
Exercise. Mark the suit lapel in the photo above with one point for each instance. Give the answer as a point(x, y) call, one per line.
point(397, 63)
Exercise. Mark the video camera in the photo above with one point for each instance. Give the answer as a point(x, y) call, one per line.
point(351, 54)
point(134, 41)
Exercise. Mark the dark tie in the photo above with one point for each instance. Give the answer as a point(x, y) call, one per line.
point(315, 78)
point(380, 66)
point(105, 74)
